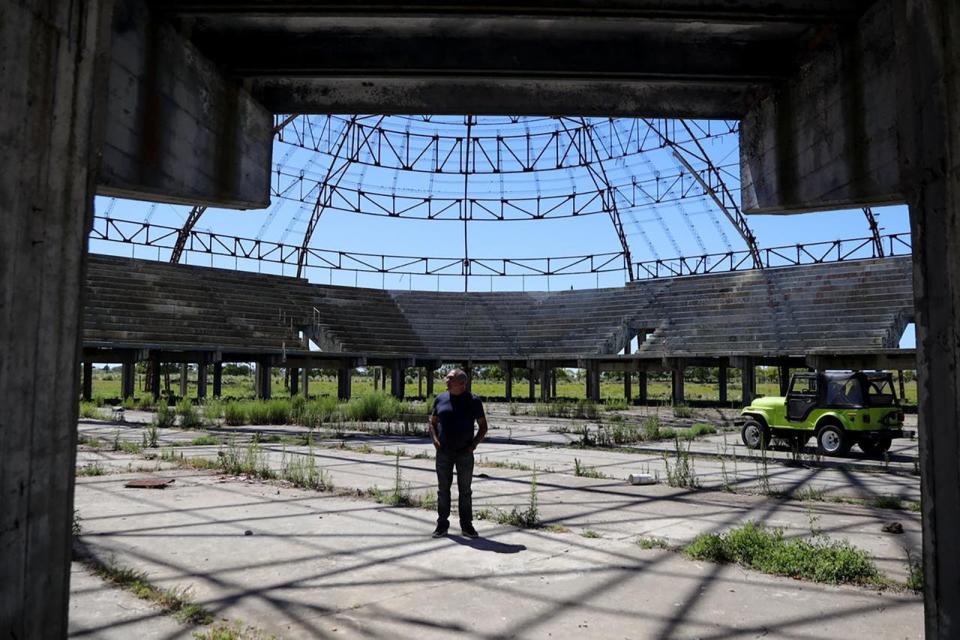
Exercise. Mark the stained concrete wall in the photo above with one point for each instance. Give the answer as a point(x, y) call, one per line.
point(52, 58)
point(178, 130)
point(827, 138)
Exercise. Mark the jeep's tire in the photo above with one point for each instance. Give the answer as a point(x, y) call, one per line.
point(876, 447)
point(755, 435)
point(832, 441)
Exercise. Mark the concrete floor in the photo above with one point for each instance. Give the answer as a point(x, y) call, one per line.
point(324, 565)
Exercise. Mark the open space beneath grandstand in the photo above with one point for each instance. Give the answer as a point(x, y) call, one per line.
point(301, 563)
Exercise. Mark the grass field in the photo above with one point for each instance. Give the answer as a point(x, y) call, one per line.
point(106, 385)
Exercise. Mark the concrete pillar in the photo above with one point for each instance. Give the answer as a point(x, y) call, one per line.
point(545, 384)
point(677, 395)
point(749, 378)
point(264, 380)
point(903, 389)
point(532, 381)
point(430, 372)
point(201, 380)
point(398, 380)
point(928, 90)
point(593, 383)
point(722, 381)
point(184, 378)
point(642, 386)
point(419, 382)
point(553, 383)
point(217, 379)
point(128, 379)
point(294, 374)
point(508, 381)
point(344, 380)
point(52, 81)
point(784, 378)
point(87, 381)
point(305, 382)
point(627, 377)
point(155, 366)
point(468, 369)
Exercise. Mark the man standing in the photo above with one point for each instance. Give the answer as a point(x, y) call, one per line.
point(451, 427)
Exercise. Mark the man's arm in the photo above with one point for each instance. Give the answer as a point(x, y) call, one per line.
point(481, 431)
point(434, 420)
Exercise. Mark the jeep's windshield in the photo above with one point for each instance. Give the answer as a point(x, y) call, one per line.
point(844, 392)
point(880, 392)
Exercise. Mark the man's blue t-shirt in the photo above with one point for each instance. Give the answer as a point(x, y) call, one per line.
point(456, 417)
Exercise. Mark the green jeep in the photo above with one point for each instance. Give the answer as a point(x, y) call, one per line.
point(839, 408)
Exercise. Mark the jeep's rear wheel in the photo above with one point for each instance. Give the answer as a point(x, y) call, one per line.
point(832, 441)
point(755, 435)
point(876, 447)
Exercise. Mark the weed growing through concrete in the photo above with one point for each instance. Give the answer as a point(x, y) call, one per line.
point(583, 471)
point(92, 469)
point(204, 440)
point(500, 464)
point(682, 411)
point(809, 494)
point(483, 514)
point(76, 527)
point(164, 419)
point(652, 543)
point(529, 518)
point(590, 533)
point(914, 573)
point(400, 496)
point(887, 502)
point(236, 630)
point(302, 471)
point(682, 473)
point(172, 601)
point(817, 559)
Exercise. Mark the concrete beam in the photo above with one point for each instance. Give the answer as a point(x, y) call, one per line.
point(888, 360)
point(827, 138)
point(54, 58)
point(178, 130)
point(928, 92)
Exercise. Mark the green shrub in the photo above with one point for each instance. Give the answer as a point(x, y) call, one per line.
point(373, 407)
point(651, 427)
point(189, 416)
point(682, 411)
point(212, 411)
point(235, 413)
point(146, 403)
point(89, 410)
point(165, 417)
point(816, 559)
point(615, 404)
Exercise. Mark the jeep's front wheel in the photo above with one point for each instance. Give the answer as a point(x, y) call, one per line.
point(832, 441)
point(755, 435)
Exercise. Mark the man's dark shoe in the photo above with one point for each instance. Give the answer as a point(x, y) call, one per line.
point(439, 532)
point(469, 531)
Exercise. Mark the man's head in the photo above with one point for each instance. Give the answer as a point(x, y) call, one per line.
point(456, 382)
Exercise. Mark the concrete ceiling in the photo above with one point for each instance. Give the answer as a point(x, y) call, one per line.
point(688, 58)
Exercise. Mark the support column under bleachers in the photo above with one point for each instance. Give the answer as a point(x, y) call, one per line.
point(642, 386)
point(593, 383)
point(202, 380)
point(430, 372)
point(677, 395)
point(87, 386)
point(784, 376)
point(155, 366)
point(398, 379)
point(749, 377)
point(128, 378)
point(294, 374)
point(722, 381)
point(468, 369)
point(545, 384)
point(305, 381)
point(217, 379)
point(344, 383)
point(532, 381)
point(508, 381)
point(184, 378)
point(264, 380)
point(627, 375)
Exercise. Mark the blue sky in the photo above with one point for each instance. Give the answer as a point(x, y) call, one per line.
point(689, 226)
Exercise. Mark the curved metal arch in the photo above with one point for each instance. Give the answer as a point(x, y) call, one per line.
point(184, 233)
point(724, 199)
point(874, 231)
point(603, 186)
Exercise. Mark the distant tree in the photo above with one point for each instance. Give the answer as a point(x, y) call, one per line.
point(236, 369)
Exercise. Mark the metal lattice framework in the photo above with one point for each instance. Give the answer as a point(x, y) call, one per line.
point(380, 146)
point(165, 238)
